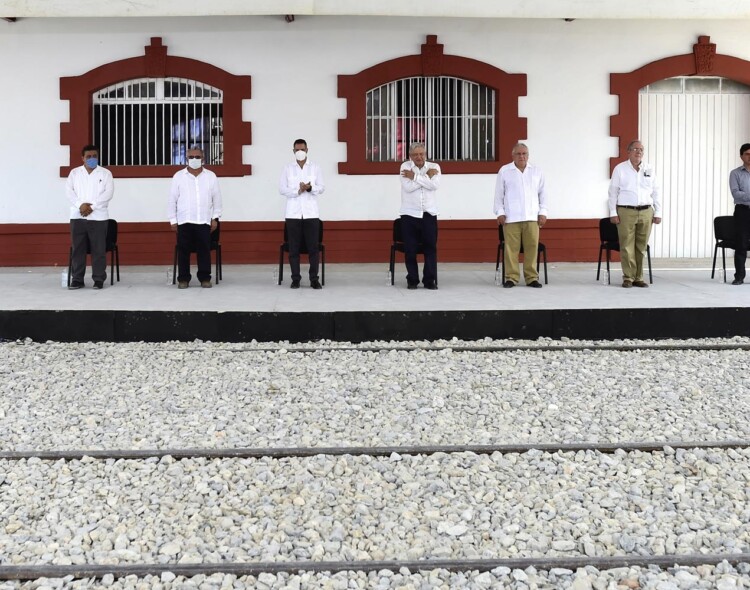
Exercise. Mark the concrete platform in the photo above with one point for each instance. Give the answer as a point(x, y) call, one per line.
point(357, 304)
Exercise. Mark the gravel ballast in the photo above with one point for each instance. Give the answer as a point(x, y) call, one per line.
point(204, 395)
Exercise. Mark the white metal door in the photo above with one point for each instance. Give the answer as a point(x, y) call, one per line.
point(692, 129)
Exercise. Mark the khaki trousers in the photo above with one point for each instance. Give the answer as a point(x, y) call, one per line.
point(634, 231)
point(524, 233)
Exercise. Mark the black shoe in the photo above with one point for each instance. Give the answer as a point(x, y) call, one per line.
point(412, 285)
point(432, 286)
point(535, 284)
point(734, 282)
point(295, 285)
point(75, 285)
point(98, 284)
point(315, 284)
point(508, 284)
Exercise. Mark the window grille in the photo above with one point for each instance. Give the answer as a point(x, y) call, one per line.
point(454, 118)
point(696, 85)
point(154, 121)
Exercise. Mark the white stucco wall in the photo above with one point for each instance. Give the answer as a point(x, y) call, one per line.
point(294, 68)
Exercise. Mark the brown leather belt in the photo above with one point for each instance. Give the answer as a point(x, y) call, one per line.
point(639, 208)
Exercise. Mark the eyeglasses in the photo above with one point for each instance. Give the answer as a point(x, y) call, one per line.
point(636, 150)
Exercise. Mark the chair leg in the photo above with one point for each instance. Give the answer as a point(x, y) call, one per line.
point(174, 266)
point(392, 264)
point(545, 266)
point(502, 260)
point(281, 265)
point(609, 274)
point(117, 262)
point(599, 266)
point(217, 272)
point(497, 260)
point(713, 266)
point(323, 264)
point(724, 262)
point(112, 267)
point(70, 264)
point(648, 257)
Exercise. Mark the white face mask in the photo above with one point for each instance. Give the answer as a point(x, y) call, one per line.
point(300, 155)
point(194, 163)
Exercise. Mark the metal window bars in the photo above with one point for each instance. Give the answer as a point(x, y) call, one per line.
point(454, 118)
point(154, 121)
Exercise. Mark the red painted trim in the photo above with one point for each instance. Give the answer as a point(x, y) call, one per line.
point(244, 242)
point(509, 127)
point(703, 61)
point(156, 64)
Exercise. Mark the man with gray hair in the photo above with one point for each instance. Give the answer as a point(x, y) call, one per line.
point(420, 181)
point(193, 211)
point(521, 208)
point(634, 204)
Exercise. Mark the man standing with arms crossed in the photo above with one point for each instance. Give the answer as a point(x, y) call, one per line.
point(193, 211)
point(89, 189)
point(634, 203)
point(521, 208)
point(420, 181)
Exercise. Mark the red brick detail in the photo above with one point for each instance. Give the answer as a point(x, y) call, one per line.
point(567, 240)
point(509, 127)
point(155, 63)
point(702, 61)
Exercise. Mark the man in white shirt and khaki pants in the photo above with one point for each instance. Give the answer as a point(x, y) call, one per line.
point(521, 208)
point(634, 204)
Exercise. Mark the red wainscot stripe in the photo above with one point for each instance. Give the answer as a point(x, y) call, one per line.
point(248, 242)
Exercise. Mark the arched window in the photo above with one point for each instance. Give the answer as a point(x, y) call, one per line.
point(465, 111)
point(145, 112)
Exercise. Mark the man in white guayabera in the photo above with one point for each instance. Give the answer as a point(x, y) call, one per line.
point(420, 181)
point(89, 189)
point(193, 210)
point(301, 183)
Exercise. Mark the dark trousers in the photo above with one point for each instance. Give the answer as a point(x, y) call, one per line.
point(193, 237)
point(307, 232)
point(742, 229)
point(85, 234)
point(417, 231)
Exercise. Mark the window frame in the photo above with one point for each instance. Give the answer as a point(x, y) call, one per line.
point(79, 90)
point(509, 127)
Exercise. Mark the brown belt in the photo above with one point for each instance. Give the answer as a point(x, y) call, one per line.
point(639, 208)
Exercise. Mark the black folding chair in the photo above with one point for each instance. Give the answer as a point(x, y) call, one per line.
point(215, 247)
point(540, 253)
point(111, 247)
point(303, 250)
point(610, 241)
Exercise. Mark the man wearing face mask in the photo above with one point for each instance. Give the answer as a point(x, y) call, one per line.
point(89, 189)
point(193, 211)
point(301, 182)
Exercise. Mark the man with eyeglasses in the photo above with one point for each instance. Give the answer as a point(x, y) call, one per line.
point(634, 204)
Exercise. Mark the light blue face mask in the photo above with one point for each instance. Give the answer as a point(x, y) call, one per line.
point(92, 162)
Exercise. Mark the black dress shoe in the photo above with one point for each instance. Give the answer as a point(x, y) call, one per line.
point(734, 282)
point(535, 284)
point(432, 286)
point(411, 285)
point(315, 284)
point(75, 285)
point(98, 284)
point(295, 285)
point(508, 284)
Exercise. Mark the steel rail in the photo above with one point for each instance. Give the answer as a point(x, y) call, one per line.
point(290, 452)
point(33, 572)
point(493, 348)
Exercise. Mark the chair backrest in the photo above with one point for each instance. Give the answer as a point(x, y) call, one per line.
point(608, 231)
point(111, 238)
point(216, 234)
point(500, 234)
point(724, 228)
point(320, 231)
point(303, 245)
point(398, 236)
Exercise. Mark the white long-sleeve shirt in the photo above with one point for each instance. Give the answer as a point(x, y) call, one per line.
point(194, 199)
point(634, 188)
point(520, 196)
point(96, 188)
point(419, 196)
point(304, 205)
